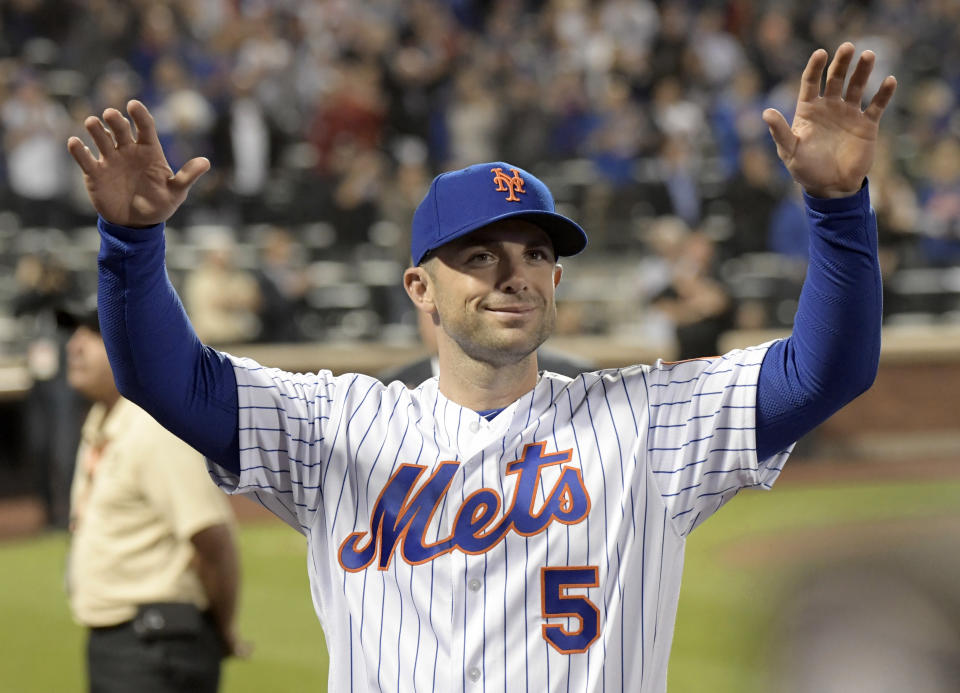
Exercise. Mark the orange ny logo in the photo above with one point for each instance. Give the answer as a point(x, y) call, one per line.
point(508, 184)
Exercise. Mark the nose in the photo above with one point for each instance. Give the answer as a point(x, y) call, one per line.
point(513, 278)
point(73, 344)
point(76, 343)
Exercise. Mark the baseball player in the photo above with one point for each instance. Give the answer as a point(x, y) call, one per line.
point(500, 527)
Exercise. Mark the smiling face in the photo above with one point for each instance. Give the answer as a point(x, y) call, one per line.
point(491, 292)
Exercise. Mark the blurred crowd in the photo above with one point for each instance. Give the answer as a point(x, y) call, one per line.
point(326, 120)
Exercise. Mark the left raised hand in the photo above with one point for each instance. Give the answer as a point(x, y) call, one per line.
point(830, 146)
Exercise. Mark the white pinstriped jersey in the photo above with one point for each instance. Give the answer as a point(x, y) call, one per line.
point(539, 551)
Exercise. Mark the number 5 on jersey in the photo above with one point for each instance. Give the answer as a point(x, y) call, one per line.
point(557, 603)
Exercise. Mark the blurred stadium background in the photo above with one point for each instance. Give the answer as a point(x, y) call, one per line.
point(326, 120)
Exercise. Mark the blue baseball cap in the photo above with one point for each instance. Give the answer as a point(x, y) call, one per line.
point(459, 202)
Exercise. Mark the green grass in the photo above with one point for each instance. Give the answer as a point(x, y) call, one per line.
point(721, 644)
point(41, 649)
point(728, 605)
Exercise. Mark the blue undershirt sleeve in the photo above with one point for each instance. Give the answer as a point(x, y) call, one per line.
point(834, 351)
point(157, 359)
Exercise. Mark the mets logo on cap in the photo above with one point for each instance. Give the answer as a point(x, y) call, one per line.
point(508, 184)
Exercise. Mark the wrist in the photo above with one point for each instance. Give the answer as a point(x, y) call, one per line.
point(857, 202)
point(831, 193)
point(131, 234)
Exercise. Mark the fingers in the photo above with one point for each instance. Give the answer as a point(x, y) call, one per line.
point(810, 80)
point(146, 130)
point(837, 72)
point(880, 100)
point(782, 135)
point(858, 81)
point(119, 125)
point(190, 172)
point(82, 154)
point(101, 137)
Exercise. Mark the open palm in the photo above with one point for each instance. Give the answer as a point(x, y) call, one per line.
point(830, 146)
point(131, 183)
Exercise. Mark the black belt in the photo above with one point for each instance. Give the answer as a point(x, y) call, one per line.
point(105, 629)
point(162, 619)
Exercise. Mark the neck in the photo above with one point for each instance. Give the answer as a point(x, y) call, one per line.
point(108, 400)
point(480, 386)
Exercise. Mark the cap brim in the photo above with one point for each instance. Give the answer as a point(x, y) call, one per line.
point(567, 236)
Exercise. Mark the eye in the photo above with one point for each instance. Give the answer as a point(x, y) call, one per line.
point(480, 257)
point(540, 255)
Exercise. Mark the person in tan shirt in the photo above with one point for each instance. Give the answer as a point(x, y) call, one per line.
point(223, 299)
point(153, 570)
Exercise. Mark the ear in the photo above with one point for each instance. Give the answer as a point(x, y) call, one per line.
point(557, 273)
point(416, 282)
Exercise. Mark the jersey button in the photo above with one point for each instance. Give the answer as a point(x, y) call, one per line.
point(475, 585)
point(474, 426)
point(474, 674)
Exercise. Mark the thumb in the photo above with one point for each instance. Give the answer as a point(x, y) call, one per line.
point(191, 171)
point(782, 135)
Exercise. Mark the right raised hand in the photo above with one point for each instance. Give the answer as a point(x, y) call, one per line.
point(131, 184)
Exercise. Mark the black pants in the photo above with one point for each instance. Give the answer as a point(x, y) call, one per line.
point(120, 661)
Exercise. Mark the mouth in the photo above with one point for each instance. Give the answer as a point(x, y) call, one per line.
point(517, 308)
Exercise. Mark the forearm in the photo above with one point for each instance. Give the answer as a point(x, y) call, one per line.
point(218, 567)
point(833, 353)
point(157, 359)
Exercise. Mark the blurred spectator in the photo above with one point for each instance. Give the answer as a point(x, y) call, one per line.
point(894, 199)
point(752, 195)
point(526, 122)
point(632, 25)
point(355, 191)
point(184, 116)
point(350, 116)
point(35, 127)
point(403, 190)
point(158, 38)
point(472, 119)
point(43, 283)
point(695, 300)
point(775, 49)
point(52, 411)
point(223, 300)
point(719, 55)
point(676, 115)
point(283, 282)
point(678, 167)
point(416, 69)
point(115, 85)
point(663, 243)
point(104, 30)
point(735, 117)
point(571, 115)
point(24, 20)
point(622, 134)
point(940, 203)
point(788, 230)
point(246, 146)
point(669, 54)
